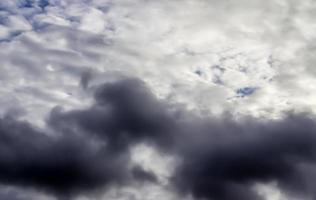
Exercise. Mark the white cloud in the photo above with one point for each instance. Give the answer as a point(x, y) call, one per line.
point(196, 52)
point(18, 23)
point(93, 21)
point(4, 32)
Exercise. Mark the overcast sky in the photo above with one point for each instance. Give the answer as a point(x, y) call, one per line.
point(157, 99)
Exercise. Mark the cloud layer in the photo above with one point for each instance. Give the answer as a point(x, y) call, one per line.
point(208, 49)
point(219, 158)
point(221, 104)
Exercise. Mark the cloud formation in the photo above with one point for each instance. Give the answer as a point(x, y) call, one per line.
point(55, 41)
point(66, 90)
point(232, 156)
point(74, 161)
point(219, 158)
point(62, 165)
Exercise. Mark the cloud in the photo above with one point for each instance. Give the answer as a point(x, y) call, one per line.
point(230, 157)
point(125, 113)
point(62, 165)
point(197, 58)
point(158, 42)
point(74, 161)
point(86, 78)
point(17, 193)
point(218, 158)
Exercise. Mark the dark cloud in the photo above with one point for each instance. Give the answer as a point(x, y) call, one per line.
point(125, 113)
point(230, 157)
point(11, 197)
point(62, 165)
point(86, 78)
point(89, 148)
point(221, 158)
point(140, 174)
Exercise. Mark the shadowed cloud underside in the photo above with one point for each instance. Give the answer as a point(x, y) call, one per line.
point(219, 158)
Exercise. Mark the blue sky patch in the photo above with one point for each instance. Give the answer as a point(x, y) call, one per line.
point(26, 3)
point(43, 3)
point(246, 91)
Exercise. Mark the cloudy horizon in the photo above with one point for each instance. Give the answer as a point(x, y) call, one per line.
point(157, 99)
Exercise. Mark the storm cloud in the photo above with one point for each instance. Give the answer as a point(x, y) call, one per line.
point(72, 160)
point(232, 156)
point(219, 158)
point(61, 165)
point(150, 100)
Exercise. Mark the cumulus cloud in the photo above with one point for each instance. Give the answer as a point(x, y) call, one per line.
point(65, 83)
point(75, 161)
point(59, 165)
point(165, 43)
point(231, 157)
point(218, 158)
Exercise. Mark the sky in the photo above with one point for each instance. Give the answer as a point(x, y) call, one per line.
point(157, 99)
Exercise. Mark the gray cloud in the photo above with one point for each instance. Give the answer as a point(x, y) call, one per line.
point(86, 78)
point(62, 165)
point(204, 54)
point(124, 113)
point(231, 157)
point(73, 161)
point(219, 158)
